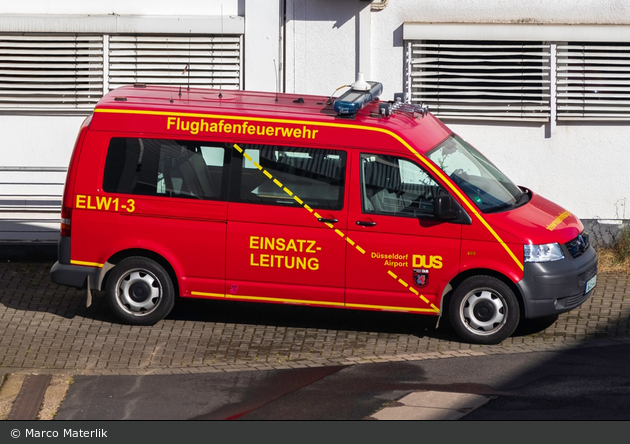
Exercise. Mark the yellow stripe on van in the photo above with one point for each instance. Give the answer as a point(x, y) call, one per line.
point(86, 264)
point(391, 308)
point(424, 161)
point(207, 295)
point(433, 309)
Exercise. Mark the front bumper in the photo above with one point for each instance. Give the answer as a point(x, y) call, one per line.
point(550, 288)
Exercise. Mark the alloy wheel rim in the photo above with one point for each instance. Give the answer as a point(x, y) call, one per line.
point(483, 311)
point(138, 292)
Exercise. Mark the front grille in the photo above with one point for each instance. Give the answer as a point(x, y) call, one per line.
point(579, 245)
point(589, 274)
point(574, 301)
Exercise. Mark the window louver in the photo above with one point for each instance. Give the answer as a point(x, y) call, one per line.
point(481, 80)
point(593, 81)
point(161, 60)
point(50, 72)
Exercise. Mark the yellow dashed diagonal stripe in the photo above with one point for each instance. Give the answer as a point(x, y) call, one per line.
point(318, 216)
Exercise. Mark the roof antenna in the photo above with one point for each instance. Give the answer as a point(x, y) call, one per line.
point(275, 70)
point(221, 57)
point(186, 68)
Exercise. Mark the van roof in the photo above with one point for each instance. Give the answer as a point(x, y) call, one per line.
point(426, 132)
point(201, 99)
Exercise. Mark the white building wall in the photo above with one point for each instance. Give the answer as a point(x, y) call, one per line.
point(36, 147)
point(38, 140)
point(320, 47)
point(581, 166)
point(321, 54)
point(124, 7)
point(387, 41)
point(263, 45)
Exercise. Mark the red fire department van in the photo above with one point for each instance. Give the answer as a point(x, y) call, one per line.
point(293, 199)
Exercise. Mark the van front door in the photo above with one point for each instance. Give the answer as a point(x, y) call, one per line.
point(409, 256)
point(287, 225)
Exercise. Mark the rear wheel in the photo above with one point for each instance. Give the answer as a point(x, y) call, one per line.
point(140, 291)
point(484, 310)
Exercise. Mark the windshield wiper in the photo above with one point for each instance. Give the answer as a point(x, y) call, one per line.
point(517, 202)
point(498, 208)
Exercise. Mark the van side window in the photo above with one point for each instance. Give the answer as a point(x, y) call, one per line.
point(161, 167)
point(395, 186)
point(315, 176)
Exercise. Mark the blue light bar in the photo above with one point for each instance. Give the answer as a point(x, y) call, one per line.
point(352, 101)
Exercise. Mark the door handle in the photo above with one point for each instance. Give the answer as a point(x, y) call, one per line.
point(325, 220)
point(365, 223)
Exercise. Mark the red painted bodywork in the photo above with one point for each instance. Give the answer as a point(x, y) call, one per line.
point(214, 248)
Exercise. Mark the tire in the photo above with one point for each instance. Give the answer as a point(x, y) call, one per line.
point(139, 291)
point(484, 310)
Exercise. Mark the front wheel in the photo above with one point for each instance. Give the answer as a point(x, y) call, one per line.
point(140, 291)
point(484, 310)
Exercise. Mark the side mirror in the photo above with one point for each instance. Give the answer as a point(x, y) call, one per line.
point(446, 208)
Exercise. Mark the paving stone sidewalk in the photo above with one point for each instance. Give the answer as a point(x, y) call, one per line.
point(47, 328)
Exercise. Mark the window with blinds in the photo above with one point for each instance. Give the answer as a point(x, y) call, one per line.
point(68, 73)
point(593, 81)
point(50, 72)
point(497, 80)
point(175, 60)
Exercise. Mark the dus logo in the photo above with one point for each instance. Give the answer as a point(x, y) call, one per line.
point(421, 261)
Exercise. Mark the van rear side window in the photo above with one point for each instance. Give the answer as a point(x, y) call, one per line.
point(315, 176)
point(161, 167)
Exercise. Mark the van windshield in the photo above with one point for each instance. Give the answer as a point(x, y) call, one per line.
point(482, 182)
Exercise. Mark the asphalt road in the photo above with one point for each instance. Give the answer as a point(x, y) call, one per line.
point(586, 383)
point(227, 360)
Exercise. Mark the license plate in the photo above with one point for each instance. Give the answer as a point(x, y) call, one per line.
point(590, 284)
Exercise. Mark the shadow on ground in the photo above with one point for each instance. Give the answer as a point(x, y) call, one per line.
point(27, 286)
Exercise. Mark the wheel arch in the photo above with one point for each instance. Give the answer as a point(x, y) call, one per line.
point(124, 254)
point(461, 277)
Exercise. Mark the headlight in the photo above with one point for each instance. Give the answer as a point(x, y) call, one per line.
point(543, 253)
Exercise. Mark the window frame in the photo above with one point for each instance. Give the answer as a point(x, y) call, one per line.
point(225, 170)
point(612, 105)
point(480, 80)
point(70, 80)
point(439, 187)
point(593, 81)
point(51, 72)
point(239, 165)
